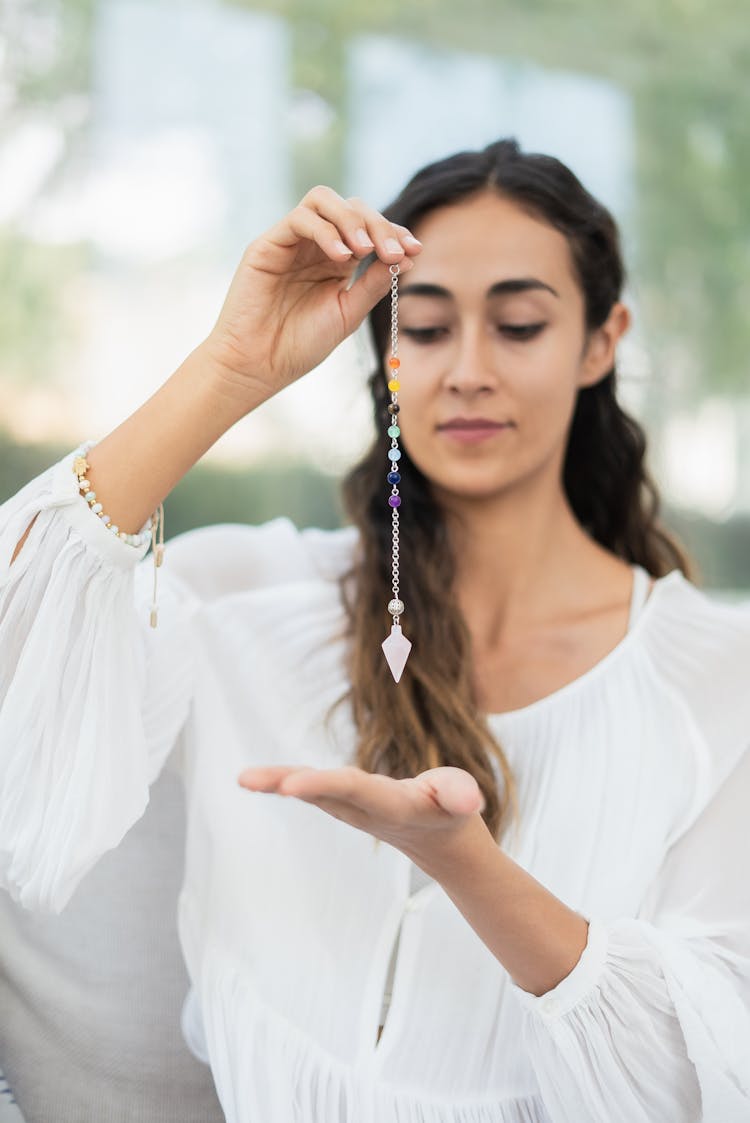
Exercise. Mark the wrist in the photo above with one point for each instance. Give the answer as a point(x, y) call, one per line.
point(239, 393)
point(447, 855)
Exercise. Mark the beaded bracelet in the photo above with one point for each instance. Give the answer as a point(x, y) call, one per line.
point(156, 522)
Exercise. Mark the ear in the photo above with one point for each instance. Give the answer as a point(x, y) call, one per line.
point(601, 345)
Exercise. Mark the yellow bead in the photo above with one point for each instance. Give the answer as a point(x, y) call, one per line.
point(394, 385)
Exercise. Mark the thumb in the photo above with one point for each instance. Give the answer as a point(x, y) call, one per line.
point(454, 789)
point(368, 288)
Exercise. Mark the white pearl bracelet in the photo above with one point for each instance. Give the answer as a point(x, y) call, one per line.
point(80, 468)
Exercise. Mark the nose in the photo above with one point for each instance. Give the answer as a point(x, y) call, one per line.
point(470, 371)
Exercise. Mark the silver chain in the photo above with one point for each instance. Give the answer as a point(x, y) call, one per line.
point(394, 529)
point(394, 374)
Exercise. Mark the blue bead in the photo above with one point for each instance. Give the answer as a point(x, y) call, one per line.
point(394, 477)
point(394, 454)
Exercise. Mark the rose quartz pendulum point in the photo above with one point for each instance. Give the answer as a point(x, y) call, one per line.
point(396, 649)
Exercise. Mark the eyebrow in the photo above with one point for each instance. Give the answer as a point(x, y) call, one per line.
point(500, 288)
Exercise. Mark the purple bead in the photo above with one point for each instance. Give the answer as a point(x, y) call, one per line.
point(394, 477)
point(394, 500)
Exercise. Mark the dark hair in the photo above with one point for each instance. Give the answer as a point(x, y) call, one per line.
point(431, 717)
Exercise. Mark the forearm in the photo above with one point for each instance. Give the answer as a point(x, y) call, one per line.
point(536, 937)
point(134, 468)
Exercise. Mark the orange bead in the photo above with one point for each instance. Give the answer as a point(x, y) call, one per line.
point(394, 363)
point(394, 385)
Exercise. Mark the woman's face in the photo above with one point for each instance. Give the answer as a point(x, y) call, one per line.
point(492, 326)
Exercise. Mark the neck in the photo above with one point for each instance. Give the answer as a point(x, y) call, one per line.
point(521, 558)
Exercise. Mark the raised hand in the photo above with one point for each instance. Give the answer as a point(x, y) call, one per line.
point(290, 301)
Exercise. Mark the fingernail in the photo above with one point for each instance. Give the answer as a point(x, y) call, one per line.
point(393, 246)
point(362, 238)
point(412, 240)
point(342, 248)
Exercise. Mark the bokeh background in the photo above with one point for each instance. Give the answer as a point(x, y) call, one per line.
point(143, 143)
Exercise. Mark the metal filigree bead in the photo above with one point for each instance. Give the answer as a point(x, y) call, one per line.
point(395, 607)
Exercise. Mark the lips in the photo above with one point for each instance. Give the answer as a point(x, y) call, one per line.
point(467, 424)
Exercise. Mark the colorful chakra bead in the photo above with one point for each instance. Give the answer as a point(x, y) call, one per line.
point(394, 386)
point(394, 500)
point(394, 477)
point(394, 431)
point(394, 363)
point(394, 454)
point(394, 408)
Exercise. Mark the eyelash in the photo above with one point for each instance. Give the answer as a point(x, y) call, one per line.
point(518, 332)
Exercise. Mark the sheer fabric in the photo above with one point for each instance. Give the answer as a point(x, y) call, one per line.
point(633, 785)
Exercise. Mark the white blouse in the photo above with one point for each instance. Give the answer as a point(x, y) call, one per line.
point(634, 787)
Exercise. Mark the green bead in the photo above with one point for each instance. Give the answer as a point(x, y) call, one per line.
point(394, 431)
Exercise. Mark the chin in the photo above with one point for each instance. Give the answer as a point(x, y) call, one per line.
point(469, 488)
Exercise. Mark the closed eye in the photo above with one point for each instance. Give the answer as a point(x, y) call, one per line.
point(521, 331)
point(422, 335)
point(513, 331)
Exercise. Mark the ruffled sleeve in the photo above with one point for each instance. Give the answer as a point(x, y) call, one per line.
point(91, 697)
point(653, 1023)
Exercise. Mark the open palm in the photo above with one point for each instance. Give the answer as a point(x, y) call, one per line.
point(409, 814)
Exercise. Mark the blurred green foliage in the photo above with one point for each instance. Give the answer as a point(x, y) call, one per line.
point(34, 321)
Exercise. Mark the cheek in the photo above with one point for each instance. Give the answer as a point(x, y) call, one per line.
point(545, 385)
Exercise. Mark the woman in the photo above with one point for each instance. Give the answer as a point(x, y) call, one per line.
point(582, 955)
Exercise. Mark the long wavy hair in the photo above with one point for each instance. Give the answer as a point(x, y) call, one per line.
point(432, 717)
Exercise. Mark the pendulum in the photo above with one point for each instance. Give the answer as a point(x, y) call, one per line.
point(396, 647)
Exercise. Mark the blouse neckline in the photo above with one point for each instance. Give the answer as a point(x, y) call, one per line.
point(622, 646)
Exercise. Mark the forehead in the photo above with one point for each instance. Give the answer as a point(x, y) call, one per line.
point(487, 238)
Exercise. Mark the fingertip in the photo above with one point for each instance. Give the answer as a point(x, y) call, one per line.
point(466, 806)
